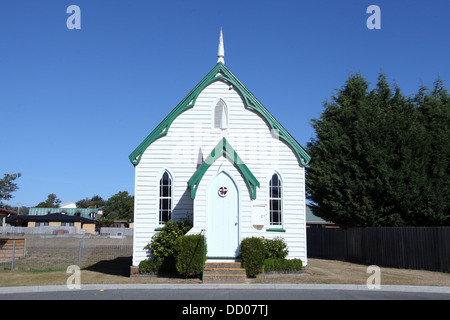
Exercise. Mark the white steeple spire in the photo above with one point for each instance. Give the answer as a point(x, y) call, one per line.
point(221, 50)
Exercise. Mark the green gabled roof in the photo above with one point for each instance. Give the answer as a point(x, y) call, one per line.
point(225, 149)
point(220, 72)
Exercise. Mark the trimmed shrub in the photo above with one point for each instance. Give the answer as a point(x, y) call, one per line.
point(275, 248)
point(149, 266)
point(283, 265)
point(189, 255)
point(162, 248)
point(252, 255)
point(163, 243)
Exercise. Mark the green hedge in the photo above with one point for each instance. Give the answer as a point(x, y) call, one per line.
point(162, 267)
point(162, 249)
point(270, 254)
point(252, 255)
point(189, 255)
point(149, 266)
point(283, 265)
point(275, 248)
point(162, 246)
point(175, 253)
point(172, 252)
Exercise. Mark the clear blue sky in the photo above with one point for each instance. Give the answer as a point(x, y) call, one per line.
point(75, 103)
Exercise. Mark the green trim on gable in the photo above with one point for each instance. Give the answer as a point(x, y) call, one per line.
point(225, 149)
point(220, 72)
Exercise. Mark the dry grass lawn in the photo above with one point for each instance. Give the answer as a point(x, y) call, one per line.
point(317, 272)
point(338, 272)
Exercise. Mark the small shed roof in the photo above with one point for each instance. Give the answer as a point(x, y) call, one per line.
point(312, 219)
point(5, 213)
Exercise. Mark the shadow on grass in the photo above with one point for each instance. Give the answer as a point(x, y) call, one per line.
point(119, 266)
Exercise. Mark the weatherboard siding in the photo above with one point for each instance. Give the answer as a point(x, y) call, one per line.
point(178, 152)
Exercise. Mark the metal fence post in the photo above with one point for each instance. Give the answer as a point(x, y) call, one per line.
point(13, 254)
point(79, 256)
point(204, 254)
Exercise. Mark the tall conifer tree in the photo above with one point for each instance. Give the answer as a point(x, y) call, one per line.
point(380, 159)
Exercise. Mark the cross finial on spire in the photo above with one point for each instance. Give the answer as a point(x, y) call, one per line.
point(221, 50)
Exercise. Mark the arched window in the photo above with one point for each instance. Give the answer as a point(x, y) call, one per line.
point(165, 198)
point(220, 115)
point(275, 203)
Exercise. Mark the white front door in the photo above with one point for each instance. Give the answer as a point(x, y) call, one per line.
point(223, 217)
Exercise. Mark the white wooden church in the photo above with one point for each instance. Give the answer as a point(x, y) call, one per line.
point(221, 159)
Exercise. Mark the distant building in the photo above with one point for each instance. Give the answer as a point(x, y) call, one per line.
point(317, 222)
point(121, 224)
point(53, 220)
point(68, 205)
point(76, 212)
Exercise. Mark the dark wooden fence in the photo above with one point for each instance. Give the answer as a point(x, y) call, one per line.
point(424, 248)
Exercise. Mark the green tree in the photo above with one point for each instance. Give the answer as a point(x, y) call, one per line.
point(93, 202)
point(433, 202)
point(51, 202)
point(8, 186)
point(119, 207)
point(83, 203)
point(372, 156)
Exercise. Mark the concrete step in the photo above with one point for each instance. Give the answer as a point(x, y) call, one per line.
point(224, 272)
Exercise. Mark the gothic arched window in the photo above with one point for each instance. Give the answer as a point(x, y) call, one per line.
point(275, 200)
point(220, 115)
point(165, 198)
